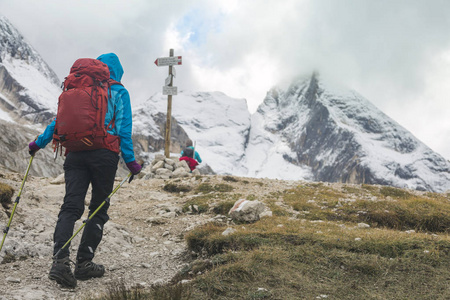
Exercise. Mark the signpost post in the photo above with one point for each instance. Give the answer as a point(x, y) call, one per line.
point(169, 90)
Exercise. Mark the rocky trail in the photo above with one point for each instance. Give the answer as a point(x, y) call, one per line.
point(143, 241)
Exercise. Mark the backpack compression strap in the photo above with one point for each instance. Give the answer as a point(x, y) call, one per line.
point(112, 123)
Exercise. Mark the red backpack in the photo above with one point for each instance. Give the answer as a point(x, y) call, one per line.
point(82, 106)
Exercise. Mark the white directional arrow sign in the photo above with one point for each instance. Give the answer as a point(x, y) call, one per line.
point(168, 61)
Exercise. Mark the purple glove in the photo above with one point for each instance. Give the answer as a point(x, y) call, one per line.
point(33, 148)
point(134, 167)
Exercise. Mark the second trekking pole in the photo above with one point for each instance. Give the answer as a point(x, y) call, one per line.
point(130, 176)
point(5, 231)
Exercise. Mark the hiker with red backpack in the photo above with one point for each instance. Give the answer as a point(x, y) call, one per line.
point(94, 124)
point(191, 156)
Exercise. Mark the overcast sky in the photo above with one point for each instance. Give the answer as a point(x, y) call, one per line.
point(396, 53)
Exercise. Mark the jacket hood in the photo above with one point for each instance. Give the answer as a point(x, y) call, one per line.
point(114, 65)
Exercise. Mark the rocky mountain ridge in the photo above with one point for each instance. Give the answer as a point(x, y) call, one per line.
point(342, 137)
point(313, 130)
point(28, 86)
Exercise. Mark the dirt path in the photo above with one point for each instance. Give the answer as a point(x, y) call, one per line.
point(143, 241)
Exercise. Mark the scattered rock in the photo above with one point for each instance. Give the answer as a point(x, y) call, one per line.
point(229, 231)
point(246, 211)
point(58, 180)
point(13, 280)
point(267, 213)
point(166, 168)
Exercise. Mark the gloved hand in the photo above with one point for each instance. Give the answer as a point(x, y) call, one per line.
point(134, 167)
point(33, 148)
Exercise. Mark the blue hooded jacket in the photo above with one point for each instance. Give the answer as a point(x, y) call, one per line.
point(119, 103)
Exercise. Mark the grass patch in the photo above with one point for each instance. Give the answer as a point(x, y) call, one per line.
point(276, 209)
point(198, 205)
point(388, 191)
point(282, 258)
point(118, 290)
point(230, 179)
point(223, 188)
point(208, 188)
point(176, 188)
point(381, 207)
point(223, 208)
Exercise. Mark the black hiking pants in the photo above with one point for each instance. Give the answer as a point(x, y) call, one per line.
point(98, 168)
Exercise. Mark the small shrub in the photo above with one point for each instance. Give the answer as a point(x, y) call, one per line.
point(223, 207)
point(201, 239)
point(230, 179)
point(8, 258)
point(170, 292)
point(6, 193)
point(201, 204)
point(118, 290)
point(175, 188)
point(251, 197)
point(223, 188)
point(204, 188)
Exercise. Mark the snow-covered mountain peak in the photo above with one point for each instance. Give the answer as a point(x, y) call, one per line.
point(14, 47)
point(29, 88)
point(343, 137)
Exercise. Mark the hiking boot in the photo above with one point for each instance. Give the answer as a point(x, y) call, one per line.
point(87, 270)
point(62, 273)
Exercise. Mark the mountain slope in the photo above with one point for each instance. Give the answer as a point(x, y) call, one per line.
point(311, 131)
point(220, 126)
point(29, 88)
point(14, 152)
point(342, 137)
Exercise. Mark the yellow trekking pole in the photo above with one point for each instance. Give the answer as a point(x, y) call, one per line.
point(5, 231)
point(130, 176)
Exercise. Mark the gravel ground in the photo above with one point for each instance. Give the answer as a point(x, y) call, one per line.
point(143, 241)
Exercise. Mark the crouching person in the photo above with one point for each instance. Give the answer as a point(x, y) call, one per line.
point(191, 156)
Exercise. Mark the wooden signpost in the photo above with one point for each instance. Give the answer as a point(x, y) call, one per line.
point(169, 90)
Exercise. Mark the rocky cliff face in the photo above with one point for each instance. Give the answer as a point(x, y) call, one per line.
point(149, 132)
point(219, 126)
point(14, 152)
point(29, 89)
point(342, 137)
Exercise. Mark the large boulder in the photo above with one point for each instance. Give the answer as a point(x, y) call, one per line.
point(246, 211)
